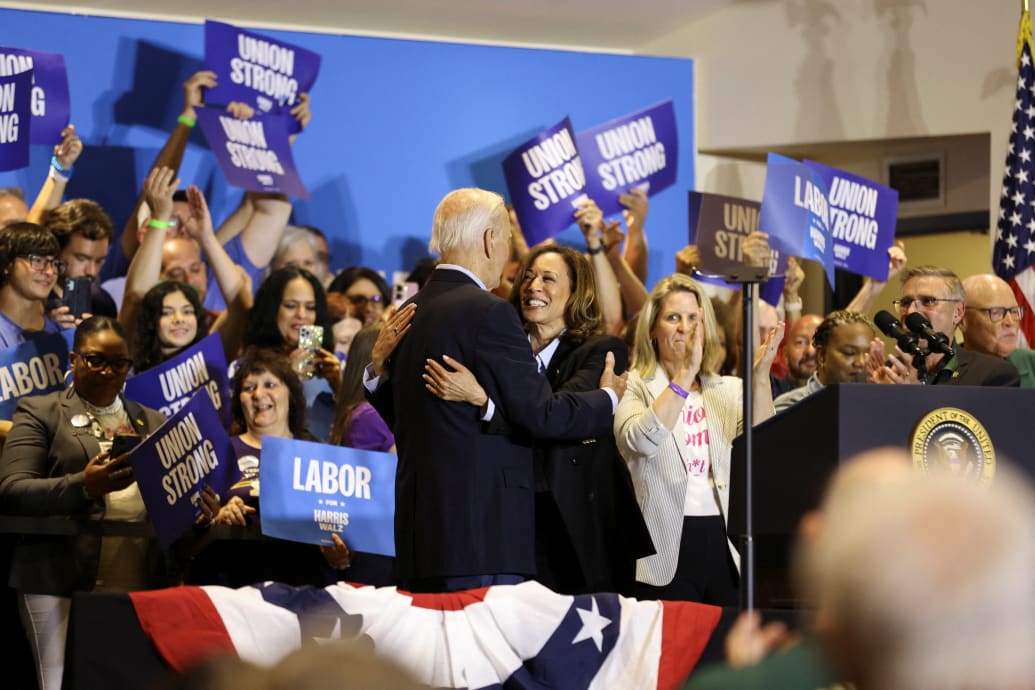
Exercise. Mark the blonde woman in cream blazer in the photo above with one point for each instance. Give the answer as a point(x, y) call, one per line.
point(675, 356)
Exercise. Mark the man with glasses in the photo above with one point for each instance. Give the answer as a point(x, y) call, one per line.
point(992, 321)
point(28, 270)
point(938, 294)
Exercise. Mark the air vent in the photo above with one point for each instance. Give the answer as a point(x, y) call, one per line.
point(919, 180)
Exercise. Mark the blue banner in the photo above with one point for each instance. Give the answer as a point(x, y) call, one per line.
point(50, 107)
point(310, 490)
point(863, 214)
point(640, 150)
point(168, 386)
point(253, 154)
point(15, 120)
point(35, 367)
point(718, 226)
point(795, 212)
point(258, 70)
point(172, 466)
point(545, 180)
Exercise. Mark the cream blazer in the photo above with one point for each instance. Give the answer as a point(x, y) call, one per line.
point(658, 467)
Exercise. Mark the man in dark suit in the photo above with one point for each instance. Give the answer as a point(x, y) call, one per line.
point(464, 498)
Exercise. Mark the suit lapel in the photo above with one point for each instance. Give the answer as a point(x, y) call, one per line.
point(559, 362)
point(73, 409)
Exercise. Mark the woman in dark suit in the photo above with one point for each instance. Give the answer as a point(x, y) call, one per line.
point(56, 462)
point(589, 529)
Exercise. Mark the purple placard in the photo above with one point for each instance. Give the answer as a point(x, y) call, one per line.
point(545, 179)
point(50, 106)
point(862, 220)
point(258, 70)
point(172, 466)
point(254, 154)
point(15, 120)
point(795, 212)
point(718, 225)
point(637, 150)
point(170, 385)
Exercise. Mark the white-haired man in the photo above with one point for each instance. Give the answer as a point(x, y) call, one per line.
point(992, 321)
point(464, 498)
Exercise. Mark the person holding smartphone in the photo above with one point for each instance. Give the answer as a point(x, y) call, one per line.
point(83, 231)
point(291, 302)
point(57, 461)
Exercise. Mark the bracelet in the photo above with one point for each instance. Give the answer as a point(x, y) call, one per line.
point(187, 120)
point(677, 389)
point(160, 224)
point(57, 172)
point(595, 250)
point(792, 306)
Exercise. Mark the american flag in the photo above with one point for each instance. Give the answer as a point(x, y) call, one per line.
point(1014, 251)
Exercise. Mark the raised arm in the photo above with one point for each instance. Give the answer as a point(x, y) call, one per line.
point(635, 255)
point(867, 296)
point(171, 154)
point(591, 222)
point(146, 267)
point(66, 153)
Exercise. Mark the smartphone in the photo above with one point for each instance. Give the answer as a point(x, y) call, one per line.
point(76, 295)
point(310, 339)
point(402, 292)
point(123, 443)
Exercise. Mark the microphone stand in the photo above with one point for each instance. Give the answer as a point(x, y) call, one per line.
point(748, 277)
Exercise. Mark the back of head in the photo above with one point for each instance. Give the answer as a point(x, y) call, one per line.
point(462, 216)
point(930, 583)
point(340, 665)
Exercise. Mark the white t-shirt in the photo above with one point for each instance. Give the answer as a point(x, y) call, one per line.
point(691, 433)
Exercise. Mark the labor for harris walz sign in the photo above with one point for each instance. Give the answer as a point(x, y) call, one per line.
point(254, 154)
point(258, 70)
point(545, 180)
point(310, 491)
point(49, 106)
point(634, 151)
point(15, 102)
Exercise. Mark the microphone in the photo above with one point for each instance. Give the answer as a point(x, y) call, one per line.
point(936, 342)
point(891, 327)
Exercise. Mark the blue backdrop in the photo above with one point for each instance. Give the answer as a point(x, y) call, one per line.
point(396, 124)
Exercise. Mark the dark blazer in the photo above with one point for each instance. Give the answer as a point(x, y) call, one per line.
point(601, 522)
point(41, 473)
point(464, 497)
point(978, 369)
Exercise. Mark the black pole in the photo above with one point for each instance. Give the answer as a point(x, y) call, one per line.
point(747, 554)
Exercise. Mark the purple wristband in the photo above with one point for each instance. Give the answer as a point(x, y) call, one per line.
point(675, 388)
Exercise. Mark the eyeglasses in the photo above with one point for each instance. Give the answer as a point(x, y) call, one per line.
point(363, 300)
point(42, 263)
point(921, 301)
point(996, 314)
point(119, 365)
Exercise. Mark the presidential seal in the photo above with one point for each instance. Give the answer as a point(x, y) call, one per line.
point(951, 440)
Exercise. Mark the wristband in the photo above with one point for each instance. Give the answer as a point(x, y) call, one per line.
point(187, 120)
point(160, 224)
point(792, 306)
point(677, 389)
point(595, 250)
point(57, 172)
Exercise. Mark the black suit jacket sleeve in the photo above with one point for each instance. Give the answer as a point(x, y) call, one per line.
point(509, 375)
